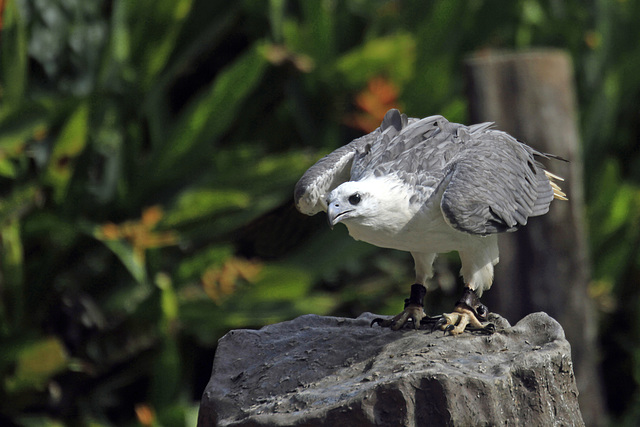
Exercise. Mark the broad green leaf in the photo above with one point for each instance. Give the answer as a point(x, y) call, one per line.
point(276, 16)
point(209, 116)
point(132, 260)
point(70, 143)
point(13, 53)
point(18, 127)
point(193, 47)
point(117, 58)
point(166, 381)
point(177, 413)
point(169, 300)
point(43, 421)
point(279, 292)
point(154, 28)
point(12, 305)
point(280, 282)
point(326, 264)
point(321, 34)
point(7, 168)
point(46, 226)
point(202, 203)
point(120, 43)
point(20, 123)
point(36, 364)
point(192, 267)
point(263, 174)
point(623, 209)
point(393, 56)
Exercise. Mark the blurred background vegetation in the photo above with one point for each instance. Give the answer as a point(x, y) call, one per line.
point(148, 152)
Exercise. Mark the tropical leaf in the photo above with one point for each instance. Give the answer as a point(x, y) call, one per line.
point(202, 203)
point(208, 117)
point(13, 54)
point(391, 56)
point(22, 127)
point(36, 363)
point(149, 149)
point(69, 144)
point(153, 28)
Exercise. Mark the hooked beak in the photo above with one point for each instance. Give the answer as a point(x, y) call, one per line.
point(335, 213)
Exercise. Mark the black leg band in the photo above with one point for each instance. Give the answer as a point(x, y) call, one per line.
point(469, 298)
point(417, 295)
point(470, 301)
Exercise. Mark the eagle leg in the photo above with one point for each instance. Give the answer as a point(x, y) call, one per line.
point(469, 313)
point(413, 310)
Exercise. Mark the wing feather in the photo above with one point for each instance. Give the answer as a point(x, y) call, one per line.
point(488, 181)
point(340, 165)
point(496, 185)
point(325, 175)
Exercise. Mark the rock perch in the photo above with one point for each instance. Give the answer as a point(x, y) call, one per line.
point(329, 371)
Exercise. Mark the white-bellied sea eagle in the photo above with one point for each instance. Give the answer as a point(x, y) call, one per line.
point(428, 186)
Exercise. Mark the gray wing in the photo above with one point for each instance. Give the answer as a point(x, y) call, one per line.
point(418, 155)
point(489, 181)
point(494, 185)
point(335, 168)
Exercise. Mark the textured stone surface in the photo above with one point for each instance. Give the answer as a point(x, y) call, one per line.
point(328, 371)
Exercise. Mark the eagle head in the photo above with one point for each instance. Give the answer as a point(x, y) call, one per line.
point(348, 201)
point(372, 203)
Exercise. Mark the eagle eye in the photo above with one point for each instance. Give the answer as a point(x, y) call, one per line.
point(354, 199)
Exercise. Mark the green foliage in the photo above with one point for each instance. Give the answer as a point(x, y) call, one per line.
point(14, 54)
point(148, 150)
point(392, 56)
point(36, 363)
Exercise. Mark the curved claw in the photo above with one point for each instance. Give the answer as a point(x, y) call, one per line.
point(488, 329)
point(442, 321)
point(469, 313)
point(455, 323)
point(412, 313)
point(380, 321)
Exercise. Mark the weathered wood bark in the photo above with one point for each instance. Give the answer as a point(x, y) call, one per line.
point(545, 265)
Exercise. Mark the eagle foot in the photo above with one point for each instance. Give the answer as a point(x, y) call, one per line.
point(459, 321)
point(413, 311)
point(469, 313)
point(411, 314)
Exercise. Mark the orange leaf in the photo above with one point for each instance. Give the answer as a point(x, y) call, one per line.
point(379, 97)
point(151, 216)
point(110, 231)
point(145, 414)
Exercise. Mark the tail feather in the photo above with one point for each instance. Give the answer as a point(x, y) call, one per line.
point(557, 191)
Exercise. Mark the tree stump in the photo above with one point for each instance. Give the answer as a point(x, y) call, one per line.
point(545, 265)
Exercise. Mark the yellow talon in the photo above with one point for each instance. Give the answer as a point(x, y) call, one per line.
point(457, 321)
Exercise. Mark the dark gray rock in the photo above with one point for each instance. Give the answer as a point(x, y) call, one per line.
point(328, 371)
